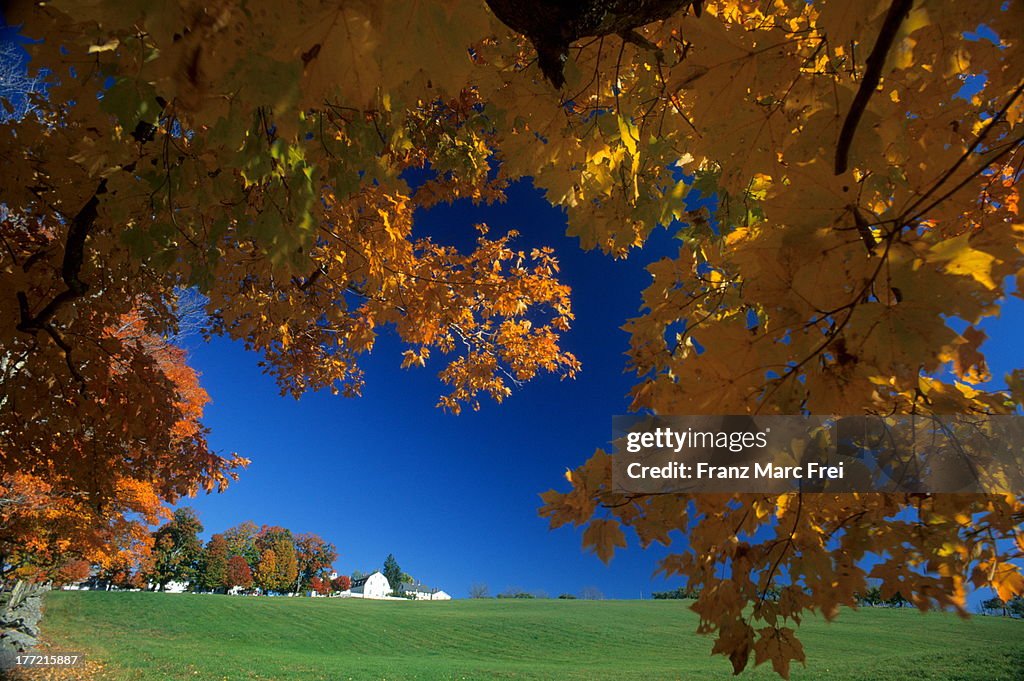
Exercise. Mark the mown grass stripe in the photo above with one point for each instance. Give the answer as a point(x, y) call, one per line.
point(149, 636)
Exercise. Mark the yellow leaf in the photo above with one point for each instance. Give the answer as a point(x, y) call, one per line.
point(1007, 581)
point(105, 47)
point(968, 363)
point(961, 259)
point(629, 135)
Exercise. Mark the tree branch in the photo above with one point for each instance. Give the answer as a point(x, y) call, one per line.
point(81, 227)
point(898, 11)
point(62, 344)
point(71, 267)
point(863, 229)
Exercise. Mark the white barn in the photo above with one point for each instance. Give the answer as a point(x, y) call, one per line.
point(422, 592)
point(374, 585)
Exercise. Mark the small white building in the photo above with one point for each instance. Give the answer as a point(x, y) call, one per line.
point(374, 585)
point(422, 592)
point(174, 587)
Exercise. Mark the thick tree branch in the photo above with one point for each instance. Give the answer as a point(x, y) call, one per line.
point(71, 267)
point(81, 227)
point(74, 251)
point(898, 11)
point(62, 344)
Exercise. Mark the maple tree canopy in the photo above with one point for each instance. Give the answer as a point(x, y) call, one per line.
point(256, 151)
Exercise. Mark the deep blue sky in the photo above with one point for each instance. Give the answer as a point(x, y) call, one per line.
point(455, 498)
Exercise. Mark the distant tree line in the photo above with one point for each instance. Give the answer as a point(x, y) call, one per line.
point(997, 606)
point(481, 590)
point(872, 598)
point(517, 592)
point(678, 593)
point(247, 557)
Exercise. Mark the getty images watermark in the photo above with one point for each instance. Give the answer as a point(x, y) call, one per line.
point(774, 454)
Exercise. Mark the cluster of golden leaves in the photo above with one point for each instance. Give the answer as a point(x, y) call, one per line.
point(259, 150)
point(286, 206)
point(812, 291)
point(174, 150)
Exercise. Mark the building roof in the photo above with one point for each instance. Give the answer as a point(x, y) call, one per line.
point(417, 587)
point(362, 580)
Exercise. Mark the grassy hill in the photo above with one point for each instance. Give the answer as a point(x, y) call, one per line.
point(178, 636)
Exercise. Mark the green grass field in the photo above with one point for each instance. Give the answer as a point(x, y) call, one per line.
point(183, 636)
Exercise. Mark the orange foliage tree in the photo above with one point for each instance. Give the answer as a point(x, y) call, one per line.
point(88, 481)
point(239, 574)
point(266, 576)
point(314, 557)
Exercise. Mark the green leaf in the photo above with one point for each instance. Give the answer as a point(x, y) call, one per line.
point(131, 101)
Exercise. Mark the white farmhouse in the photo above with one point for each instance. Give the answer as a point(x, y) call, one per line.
point(422, 592)
point(374, 585)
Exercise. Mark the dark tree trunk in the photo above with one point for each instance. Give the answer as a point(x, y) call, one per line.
point(553, 25)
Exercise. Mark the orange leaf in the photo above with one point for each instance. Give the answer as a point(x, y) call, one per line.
point(603, 536)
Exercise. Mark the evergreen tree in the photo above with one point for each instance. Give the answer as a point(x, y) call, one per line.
point(393, 572)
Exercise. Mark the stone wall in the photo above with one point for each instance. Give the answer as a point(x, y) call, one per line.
point(21, 608)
